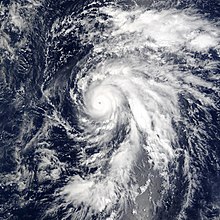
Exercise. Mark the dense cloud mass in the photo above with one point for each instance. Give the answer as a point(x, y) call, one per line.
point(109, 110)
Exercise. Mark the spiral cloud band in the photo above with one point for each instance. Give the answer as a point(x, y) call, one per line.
point(128, 106)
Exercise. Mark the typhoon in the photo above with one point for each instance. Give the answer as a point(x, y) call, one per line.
point(110, 110)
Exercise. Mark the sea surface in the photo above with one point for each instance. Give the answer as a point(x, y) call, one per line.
point(110, 110)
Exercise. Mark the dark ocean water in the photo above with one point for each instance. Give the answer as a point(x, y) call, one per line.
point(109, 110)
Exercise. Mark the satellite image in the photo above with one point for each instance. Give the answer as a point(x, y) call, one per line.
point(109, 110)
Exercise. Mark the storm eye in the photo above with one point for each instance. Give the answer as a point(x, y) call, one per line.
point(102, 101)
